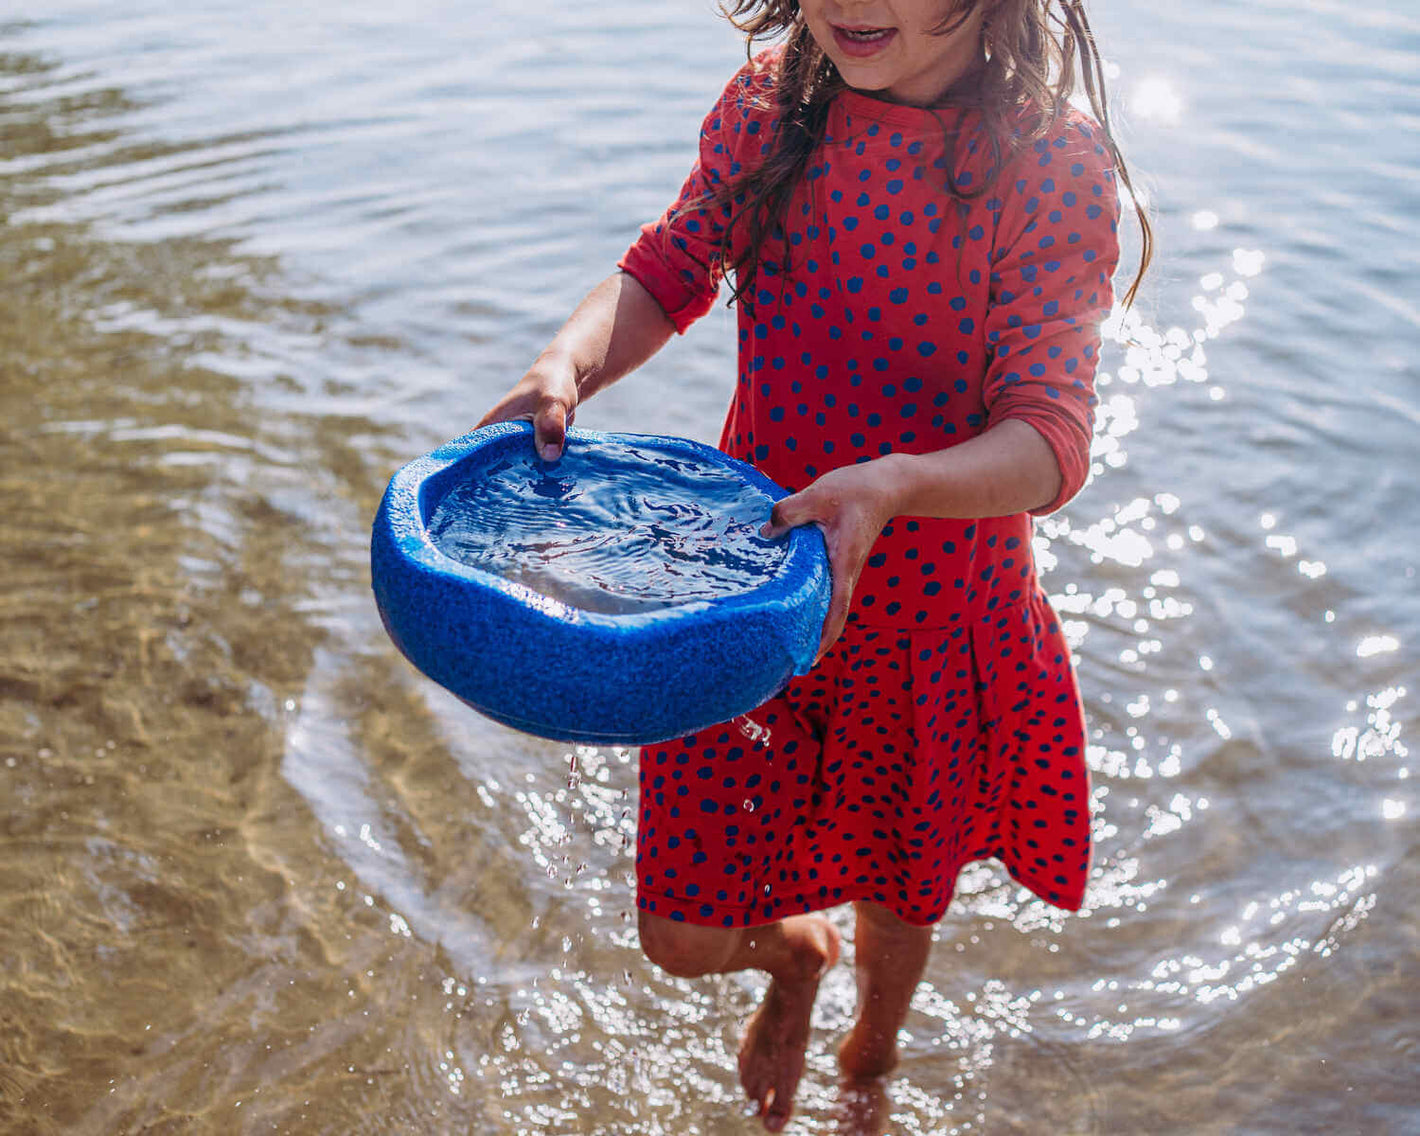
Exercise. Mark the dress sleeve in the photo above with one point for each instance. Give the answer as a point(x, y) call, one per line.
point(676, 258)
point(1057, 250)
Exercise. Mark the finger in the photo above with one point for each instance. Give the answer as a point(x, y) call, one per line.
point(497, 414)
point(775, 525)
point(550, 429)
point(507, 409)
point(786, 514)
point(835, 620)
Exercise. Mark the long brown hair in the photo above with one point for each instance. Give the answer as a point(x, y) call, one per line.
point(1034, 51)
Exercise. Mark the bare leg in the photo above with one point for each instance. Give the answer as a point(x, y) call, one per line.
point(889, 958)
point(795, 952)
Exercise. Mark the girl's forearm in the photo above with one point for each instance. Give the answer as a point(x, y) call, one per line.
point(1007, 469)
point(616, 328)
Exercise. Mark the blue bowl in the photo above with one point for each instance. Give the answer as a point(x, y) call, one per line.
point(554, 668)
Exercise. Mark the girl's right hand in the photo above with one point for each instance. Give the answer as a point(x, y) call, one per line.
point(545, 396)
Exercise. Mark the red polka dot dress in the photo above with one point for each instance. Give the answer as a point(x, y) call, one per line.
point(945, 725)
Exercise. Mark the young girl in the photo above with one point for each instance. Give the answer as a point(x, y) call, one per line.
point(921, 234)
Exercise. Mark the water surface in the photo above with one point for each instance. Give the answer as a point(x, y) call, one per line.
point(613, 527)
point(260, 876)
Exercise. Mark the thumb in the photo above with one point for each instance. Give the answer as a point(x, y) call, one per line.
point(550, 429)
point(788, 512)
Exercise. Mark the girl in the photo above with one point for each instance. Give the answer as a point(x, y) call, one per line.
point(921, 234)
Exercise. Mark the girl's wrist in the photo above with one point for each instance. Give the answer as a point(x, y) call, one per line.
point(555, 359)
point(891, 481)
point(1006, 470)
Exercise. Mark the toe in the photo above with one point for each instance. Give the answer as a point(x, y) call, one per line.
point(776, 1114)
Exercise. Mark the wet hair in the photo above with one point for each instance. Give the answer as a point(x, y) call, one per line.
point(1036, 51)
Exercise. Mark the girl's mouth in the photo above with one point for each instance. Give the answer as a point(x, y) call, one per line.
point(862, 42)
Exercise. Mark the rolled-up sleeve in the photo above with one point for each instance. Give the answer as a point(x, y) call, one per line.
point(676, 258)
point(1058, 247)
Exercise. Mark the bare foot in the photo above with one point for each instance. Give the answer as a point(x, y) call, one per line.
point(863, 1108)
point(776, 1037)
point(867, 1054)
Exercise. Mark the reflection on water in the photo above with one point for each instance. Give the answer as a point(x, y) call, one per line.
point(613, 527)
point(261, 877)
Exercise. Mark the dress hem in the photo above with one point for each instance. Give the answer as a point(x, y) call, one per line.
point(687, 909)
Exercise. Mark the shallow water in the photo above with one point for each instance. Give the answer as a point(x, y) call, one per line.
point(611, 527)
point(260, 876)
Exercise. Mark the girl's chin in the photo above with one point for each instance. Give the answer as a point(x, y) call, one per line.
point(863, 76)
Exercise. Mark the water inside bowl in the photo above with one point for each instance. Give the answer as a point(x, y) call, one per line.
point(613, 527)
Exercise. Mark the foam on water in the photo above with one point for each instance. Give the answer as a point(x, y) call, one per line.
point(617, 528)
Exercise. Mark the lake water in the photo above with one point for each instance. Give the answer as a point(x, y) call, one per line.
point(259, 876)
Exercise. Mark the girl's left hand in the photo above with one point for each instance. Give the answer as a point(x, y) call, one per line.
point(851, 505)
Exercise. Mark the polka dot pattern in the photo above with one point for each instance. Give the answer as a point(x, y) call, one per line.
point(903, 756)
point(906, 322)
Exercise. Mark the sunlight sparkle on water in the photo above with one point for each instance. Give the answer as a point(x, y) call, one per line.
point(1155, 99)
point(1379, 736)
point(1248, 262)
point(1377, 645)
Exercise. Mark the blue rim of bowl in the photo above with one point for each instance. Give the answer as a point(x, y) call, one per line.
point(424, 480)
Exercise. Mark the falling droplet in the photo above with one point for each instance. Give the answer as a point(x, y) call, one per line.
point(749, 806)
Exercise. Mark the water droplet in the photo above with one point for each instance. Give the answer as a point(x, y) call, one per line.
point(749, 806)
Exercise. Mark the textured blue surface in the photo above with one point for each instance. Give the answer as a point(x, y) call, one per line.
point(556, 670)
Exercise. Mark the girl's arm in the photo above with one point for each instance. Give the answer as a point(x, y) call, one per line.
point(668, 279)
point(612, 332)
point(1007, 469)
point(1049, 292)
